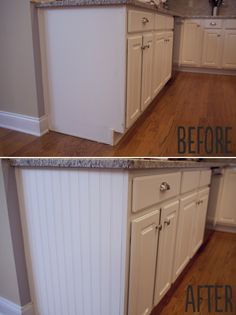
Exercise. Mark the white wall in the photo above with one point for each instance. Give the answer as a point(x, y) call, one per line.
point(20, 86)
point(8, 277)
point(13, 274)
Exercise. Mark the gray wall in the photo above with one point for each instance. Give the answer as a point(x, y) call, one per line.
point(20, 77)
point(13, 275)
point(201, 7)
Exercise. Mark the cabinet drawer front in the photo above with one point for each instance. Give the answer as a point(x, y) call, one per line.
point(213, 23)
point(169, 22)
point(230, 24)
point(205, 178)
point(139, 21)
point(190, 181)
point(149, 190)
point(163, 22)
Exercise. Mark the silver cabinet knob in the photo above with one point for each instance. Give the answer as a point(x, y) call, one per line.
point(164, 186)
point(158, 227)
point(213, 23)
point(167, 222)
point(145, 20)
point(145, 46)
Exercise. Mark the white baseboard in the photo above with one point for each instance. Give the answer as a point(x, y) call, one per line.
point(27, 124)
point(205, 70)
point(9, 308)
point(224, 228)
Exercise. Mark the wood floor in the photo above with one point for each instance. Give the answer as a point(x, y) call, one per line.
point(216, 264)
point(188, 100)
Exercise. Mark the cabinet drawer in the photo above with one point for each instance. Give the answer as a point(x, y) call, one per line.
point(213, 23)
point(149, 190)
point(205, 178)
point(139, 21)
point(163, 22)
point(190, 181)
point(230, 24)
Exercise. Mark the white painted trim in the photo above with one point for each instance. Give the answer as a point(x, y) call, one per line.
point(224, 228)
point(27, 124)
point(204, 70)
point(9, 308)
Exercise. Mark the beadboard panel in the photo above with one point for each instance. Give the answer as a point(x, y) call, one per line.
point(75, 226)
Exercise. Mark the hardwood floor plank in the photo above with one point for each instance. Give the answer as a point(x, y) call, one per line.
point(190, 99)
point(216, 264)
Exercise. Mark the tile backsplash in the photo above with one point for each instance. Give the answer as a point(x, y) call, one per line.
point(201, 7)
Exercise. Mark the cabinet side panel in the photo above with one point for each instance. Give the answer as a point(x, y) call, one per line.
point(85, 70)
point(74, 226)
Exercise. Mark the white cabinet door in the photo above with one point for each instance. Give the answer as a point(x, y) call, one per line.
point(134, 77)
point(227, 209)
point(165, 256)
point(168, 54)
point(184, 233)
point(200, 219)
point(191, 44)
point(147, 70)
point(229, 54)
point(212, 45)
point(144, 238)
point(158, 57)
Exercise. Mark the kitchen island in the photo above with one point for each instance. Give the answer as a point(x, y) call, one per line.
point(103, 62)
point(105, 236)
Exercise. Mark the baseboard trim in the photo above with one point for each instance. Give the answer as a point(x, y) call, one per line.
point(9, 308)
point(27, 124)
point(224, 228)
point(205, 70)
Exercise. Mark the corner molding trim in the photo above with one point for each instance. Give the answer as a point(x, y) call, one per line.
point(9, 308)
point(27, 124)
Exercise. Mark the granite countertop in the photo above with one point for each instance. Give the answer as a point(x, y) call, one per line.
point(116, 163)
point(81, 3)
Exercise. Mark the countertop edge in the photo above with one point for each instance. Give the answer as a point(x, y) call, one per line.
point(127, 164)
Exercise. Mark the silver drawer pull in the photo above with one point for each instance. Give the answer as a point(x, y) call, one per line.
point(145, 20)
point(164, 186)
point(213, 23)
point(167, 222)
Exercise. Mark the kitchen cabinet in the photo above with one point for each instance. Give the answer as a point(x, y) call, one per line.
point(111, 76)
point(205, 43)
point(229, 53)
point(144, 238)
point(134, 77)
point(166, 248)
point(191, 43)
point(168, 52)
point(199, 219)
point(147, 65)
point(159, 50)
point(162, 60)
point(128, 234)
point(227, 210)
point(184, 233)
point(212, 48)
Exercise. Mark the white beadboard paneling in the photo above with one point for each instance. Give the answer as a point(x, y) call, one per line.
point(75, 224)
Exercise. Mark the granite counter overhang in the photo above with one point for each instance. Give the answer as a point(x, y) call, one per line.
point(135, 3)
point(111, 163)
point(87, 3)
